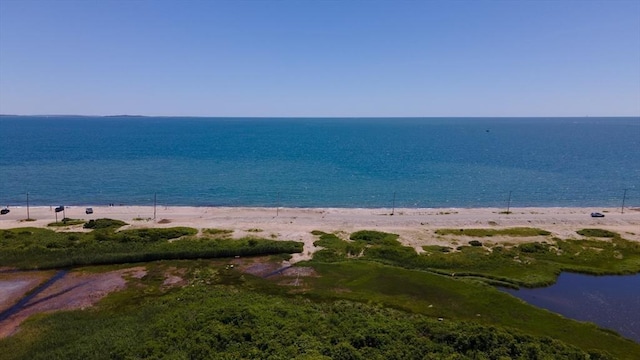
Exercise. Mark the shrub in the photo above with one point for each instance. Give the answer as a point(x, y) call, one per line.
point(374, 237)
point(66, 222)
point(535, 247)
point(104, 224)
point(218, 232)
point(598, 233)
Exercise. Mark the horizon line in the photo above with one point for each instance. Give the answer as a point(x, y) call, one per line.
point(316, 117)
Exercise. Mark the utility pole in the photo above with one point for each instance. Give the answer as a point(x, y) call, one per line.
point(278, 205)
point(393, 209)
point(509, 202)
point(28, 217)
point(624, 197)
point(155, 197)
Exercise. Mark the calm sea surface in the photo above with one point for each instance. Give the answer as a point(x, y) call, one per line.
point(431, 162)
point(612, 302)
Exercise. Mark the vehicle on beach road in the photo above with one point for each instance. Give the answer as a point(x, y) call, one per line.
point(88, 211)
point(597, 214)
point(4, 211)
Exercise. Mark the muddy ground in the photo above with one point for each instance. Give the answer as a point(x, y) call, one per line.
point(80, 290)
point(76, 290)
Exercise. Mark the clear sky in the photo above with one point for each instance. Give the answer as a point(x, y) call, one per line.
point(320, 58)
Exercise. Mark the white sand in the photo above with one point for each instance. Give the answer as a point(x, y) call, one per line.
point(415, 226)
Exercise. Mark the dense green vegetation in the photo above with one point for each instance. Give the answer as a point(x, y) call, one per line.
point(33, 248)
point(228, 315)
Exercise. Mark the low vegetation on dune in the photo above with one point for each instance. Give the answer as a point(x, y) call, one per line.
point(104, 224)
point(597, 233)
point(34, 248)
point(528, 264)
point(512, 232)
point(218, 233)
point(66, 222)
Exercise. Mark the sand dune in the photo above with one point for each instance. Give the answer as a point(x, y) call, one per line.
point(415, 226)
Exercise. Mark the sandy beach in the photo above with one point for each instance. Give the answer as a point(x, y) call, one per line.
point(416, 227)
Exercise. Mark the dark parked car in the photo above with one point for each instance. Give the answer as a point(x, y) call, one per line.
point(89, 211)
point(4, 211)
point(60, 208)
point(597, 214)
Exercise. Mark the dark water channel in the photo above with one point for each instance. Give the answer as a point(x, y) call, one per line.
point(612, 302)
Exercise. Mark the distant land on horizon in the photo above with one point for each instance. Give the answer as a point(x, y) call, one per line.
point(316, 117)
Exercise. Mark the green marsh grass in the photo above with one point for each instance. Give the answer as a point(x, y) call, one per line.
point(458, 300)
point(352, 310)
point(383, 303)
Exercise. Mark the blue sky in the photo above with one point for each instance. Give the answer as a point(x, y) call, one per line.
point(320, 58)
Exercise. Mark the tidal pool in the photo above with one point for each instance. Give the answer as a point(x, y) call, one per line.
point(612, 302)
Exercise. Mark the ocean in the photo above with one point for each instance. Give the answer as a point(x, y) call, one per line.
point(316, 162)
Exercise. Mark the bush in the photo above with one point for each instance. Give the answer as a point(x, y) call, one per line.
point(66, 222)
point(218, 232)
point(104, 224)
point(598, 233)
point(533, 248)
point(375, 237)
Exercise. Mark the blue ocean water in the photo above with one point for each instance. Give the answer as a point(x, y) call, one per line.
point(335, 162)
